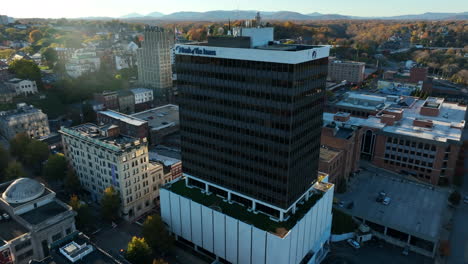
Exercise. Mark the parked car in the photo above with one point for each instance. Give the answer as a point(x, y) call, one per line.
point(341, 204)
point(386, 201)
point(405, 251)
point(465, 199)
point(381, 197)
point(6, 216)
point(353, 243)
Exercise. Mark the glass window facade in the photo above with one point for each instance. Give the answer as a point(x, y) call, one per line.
point(252, 127)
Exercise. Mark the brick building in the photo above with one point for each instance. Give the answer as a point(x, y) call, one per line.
point(109, 99)
point(420, 139)
point(418, 74)
point(345, 140)
point(128, 125)
point(350, 71)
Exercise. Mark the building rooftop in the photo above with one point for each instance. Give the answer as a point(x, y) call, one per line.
point(140, 90)
point(23, 190)
point(160, 117)
point(327, 154)
point(44, 212)
point(448, 125)
point(11, 229)
point(101, 135)
point(422, 206)
point(241, 213)
point(76, 245)
point(167, 161)
point(21, 110)
point(124, 118)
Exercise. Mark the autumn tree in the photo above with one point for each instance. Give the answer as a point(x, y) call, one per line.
point(35, 35)
point(138, 251)
point(83, 217)
point(156, 234)
point(110, 204)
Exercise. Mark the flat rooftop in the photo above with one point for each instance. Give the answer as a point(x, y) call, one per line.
point(241, 213)
point(415, 208)
point(327, 154)
point(42, 213)
point(93, 133)
point(123, 117)
point(448, 125)
point(11, 229)
point(160, 117)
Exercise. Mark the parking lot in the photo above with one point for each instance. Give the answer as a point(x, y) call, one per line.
point(371, 253)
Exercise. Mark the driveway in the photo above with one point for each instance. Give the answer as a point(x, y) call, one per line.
point(372, 253)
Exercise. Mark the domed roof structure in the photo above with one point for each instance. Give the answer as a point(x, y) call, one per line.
point(23, 190)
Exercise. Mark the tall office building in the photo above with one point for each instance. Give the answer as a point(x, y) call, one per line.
point(154, 59)
point(250, 120)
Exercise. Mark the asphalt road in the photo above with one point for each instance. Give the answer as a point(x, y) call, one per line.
point(371, 253)
point(459, 235)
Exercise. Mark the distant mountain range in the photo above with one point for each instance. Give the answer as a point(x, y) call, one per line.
point(218, 15)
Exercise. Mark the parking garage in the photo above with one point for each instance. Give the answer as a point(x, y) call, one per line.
point(412, 219)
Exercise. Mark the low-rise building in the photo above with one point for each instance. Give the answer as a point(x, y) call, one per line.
point(36, 219)
point(128, 125)
point(83, 61)
point(142, 95)
point(24, 119)
point(126, 102)
point(76, 248)
point(22, 87)
point(398, 88)
point(340, 153)
point(108, 98)
point(6, 94)
point(419, 138)
point(162, 122)
point(64, 54)
point(350, 71)
point(103, 157)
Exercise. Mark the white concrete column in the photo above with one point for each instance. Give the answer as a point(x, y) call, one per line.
point(409, 238)
point(207, 188)
point(307, 196)
point(385, 231)
point(186, 181)
point(254, 206)
point(294, 209)
point(281, 216)
point(229, 196)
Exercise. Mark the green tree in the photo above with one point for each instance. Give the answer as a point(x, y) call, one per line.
point(35, 35)
point(110, 204)
point(14, 171)
point(138, 251)
point(50, 55)
point(36, 153)
point(155, 232)
point(4, 159)
point(55, 168)
point(26, 69)
point(83, 212)
point(6, 53)
point(72, 183)
point(18, 145)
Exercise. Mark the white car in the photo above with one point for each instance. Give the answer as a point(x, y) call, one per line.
point(465, 199)
point(386, 201)
point(353, 243)
point(6, 216)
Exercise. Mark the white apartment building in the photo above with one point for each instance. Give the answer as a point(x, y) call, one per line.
point(102, 157)
point(24, 119)
point(154, 58)
point(22, 87)
point(142, 95)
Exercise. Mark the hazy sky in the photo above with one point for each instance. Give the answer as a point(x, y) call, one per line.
point(116, 8)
